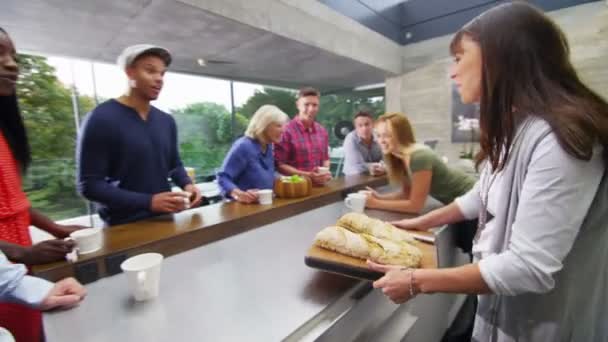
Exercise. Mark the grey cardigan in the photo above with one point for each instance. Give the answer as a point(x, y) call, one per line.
point(548, 266)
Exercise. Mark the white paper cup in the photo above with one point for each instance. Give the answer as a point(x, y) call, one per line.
point(87, 240)
point(143, 275)
point(355, 202)
point(265, 196)
point(322, 169)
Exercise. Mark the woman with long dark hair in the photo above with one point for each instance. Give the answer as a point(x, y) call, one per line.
point(540, 257)
point(16, 215)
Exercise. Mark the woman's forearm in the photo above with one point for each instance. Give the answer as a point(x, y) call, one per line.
point(12, 251)
point(438, 217)
point(397, 205)
point(392, 195)
point(41, 221)
point(463, 279)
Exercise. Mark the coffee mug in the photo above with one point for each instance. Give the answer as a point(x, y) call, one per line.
point(355, 202)
point(265, 196)
point(143, 275)
point(371, 168)
point(87, 240)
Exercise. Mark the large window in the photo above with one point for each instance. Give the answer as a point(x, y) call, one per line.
point(48, 108)
point(56, 93)
point(343, 107)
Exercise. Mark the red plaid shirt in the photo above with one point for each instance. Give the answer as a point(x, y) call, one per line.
point(302, 148)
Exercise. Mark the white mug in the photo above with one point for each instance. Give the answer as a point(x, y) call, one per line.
point(355, 202)
point(265, 196)
point(371, 168)
point(143, 275)
point(87, 240)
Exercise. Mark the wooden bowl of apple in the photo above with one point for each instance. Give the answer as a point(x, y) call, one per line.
point(292, 186)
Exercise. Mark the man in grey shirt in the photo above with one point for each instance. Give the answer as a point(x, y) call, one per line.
point(361, 148)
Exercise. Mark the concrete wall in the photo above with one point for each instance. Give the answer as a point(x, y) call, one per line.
point(424, 93)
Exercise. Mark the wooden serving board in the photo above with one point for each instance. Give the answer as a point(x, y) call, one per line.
point(330, 261)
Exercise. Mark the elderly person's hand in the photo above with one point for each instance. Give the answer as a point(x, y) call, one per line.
point(245, 197)
point(396, 283)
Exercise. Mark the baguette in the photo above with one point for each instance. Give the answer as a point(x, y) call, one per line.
point(365, 246)
point(361, 223)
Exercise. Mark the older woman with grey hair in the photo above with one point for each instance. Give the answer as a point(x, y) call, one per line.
point(249, 165)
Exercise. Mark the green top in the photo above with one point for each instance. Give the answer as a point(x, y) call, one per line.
point(446, 183)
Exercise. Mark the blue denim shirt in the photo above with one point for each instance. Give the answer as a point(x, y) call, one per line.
point(247, 167)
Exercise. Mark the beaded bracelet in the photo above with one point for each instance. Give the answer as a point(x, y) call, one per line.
point(412, 292)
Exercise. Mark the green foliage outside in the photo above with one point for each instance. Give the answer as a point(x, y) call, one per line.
point(332, 108)
point(47, 108)
point(342, 107)
point(205, 134)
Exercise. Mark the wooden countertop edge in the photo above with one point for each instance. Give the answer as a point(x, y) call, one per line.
point(105, 263)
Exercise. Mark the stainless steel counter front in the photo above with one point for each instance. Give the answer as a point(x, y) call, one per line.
point(250, 287)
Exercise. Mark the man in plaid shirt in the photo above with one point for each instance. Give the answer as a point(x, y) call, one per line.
point(304, 146)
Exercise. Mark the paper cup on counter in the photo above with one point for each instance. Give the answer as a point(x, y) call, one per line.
point(323, 169)
point(87, 240)
point(143, 275)
point(265, 196)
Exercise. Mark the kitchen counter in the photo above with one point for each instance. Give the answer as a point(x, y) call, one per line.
point(173, 234)
point(254, 286)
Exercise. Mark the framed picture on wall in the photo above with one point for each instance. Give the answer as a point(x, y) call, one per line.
point(465, 120)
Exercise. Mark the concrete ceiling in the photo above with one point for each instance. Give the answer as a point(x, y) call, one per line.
point(411, 21)
point(99, 30)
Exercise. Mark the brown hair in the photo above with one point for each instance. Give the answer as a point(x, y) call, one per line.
point(363, 114)
point(308, 91)
point(526, 70)
point(402, 131)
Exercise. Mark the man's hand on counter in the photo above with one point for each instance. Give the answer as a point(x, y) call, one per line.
point(65, 294)
point(319, 177)
point(196, 196)
point(170, 202)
